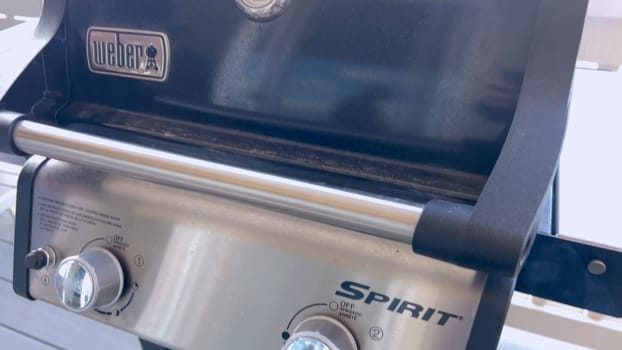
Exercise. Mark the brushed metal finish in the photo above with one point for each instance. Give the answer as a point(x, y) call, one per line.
point(359, 212)
point(208, 272)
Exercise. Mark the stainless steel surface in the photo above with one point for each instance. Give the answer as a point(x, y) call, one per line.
point(321, 333)
point(129, 53)
point(208, 272)
point(94, 278)
point(362, 213)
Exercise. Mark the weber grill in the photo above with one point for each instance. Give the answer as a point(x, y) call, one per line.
point(278, 174)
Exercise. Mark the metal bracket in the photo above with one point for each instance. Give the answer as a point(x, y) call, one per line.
point(574, 273)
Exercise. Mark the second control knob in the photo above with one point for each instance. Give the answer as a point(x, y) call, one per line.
point(321, 333)
point(93, 278)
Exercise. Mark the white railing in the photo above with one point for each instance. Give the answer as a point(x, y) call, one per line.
point(8, 183)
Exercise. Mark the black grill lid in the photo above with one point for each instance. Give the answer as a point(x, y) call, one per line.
point(420, 94)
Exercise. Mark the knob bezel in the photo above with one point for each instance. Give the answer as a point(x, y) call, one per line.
point(308, 329)
point(85, 262)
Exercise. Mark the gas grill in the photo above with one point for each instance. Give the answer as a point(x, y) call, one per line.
point(275, 174)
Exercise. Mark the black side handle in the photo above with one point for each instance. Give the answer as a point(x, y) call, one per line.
point(496, 236)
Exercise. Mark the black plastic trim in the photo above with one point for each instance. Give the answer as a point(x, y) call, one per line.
point(491, 313)
point(23, 220)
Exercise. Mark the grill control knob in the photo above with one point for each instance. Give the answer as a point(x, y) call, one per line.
point(92, 279)
point(321, 333)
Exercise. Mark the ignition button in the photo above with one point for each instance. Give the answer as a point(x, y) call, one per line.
point(40, 258)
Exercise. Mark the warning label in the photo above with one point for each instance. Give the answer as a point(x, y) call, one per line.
point(55, 215)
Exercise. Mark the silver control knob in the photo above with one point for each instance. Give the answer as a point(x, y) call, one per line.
point(321, 333)
point(92, 279)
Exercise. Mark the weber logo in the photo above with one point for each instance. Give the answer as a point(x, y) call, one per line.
point(128, 53)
